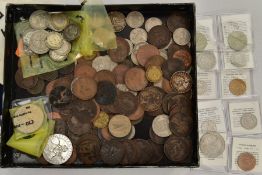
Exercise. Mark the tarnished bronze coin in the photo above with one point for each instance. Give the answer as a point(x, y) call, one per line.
point(151, 98)
point(60, 96)
point(159, 36)
point(155, 138)
point(237, 87)
point(145, 52)
point(246, 161)
point(179, 103)
point(138, 114)
point(180, 124)
point(78, 128)
point(126, 103)
point(174, 48)
point(112, 152)
point(120, 71)
point(25, 83)
point(157, 152)
point(130, 156)
point(177, 149)
point(39, 87)
point(145, 150)
point(135, 79)
point(101, 120)
point(185, 56)
point(177, 20)
point(84, 88)
point(119, 54)
point(105, 75)
point(106, 93)
point(156, 60)
point(181, 82)
point(171, 66)
point(118, 20)
point(63, 81)
point(84, 70)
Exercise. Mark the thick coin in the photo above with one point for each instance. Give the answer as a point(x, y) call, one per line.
point(118, 20)
point(212, 144)
point(105, 75)
point(160, 126)
point(60, 96)
point(84, 88)
point(119, 54)
point(239, 59)
point(37, 42)
point(248, 121)
point(101, 121)
point(185, 56)
point(135, 19)
point(201, 42)
point(126, 103)
point(152, 22)
point(181, 82)
point(58, 21)
point(154, 74)
point(206, 60)
point(54, 40)
point(145, 52)
point(58, 149)
point(119, 73)
point(177, 20)
point(181, 124)
point(112, 152)
point(64, 49)
point(170, 66)
point(246, 161)
point(103, 63)
point(181, 36)
point(135, 79)
point(237, 87)
point(71, 32)
point(119, 126)
point(159, 36)
point(237, 40)
point(39, 19)
point(106, 93)
point(138, 35)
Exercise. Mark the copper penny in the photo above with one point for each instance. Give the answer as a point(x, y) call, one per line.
point(145, 149)
point(84, 88)
point(180, 124)
point(155, 60)
point(159, 36)
point(177, 20)
point(174, 48)
point(112, 152)
point(157, 152)
point(120, 71)
point(246, 161)
point(126, 103)
point(171, 66)
point(181, 82)
point(175, 102)
point(237, 87)
point(84, 70)
point(138, 114)
point(130, 153)
point(185, 56)
point(166, 86)
point(73, 157)
point(151, 98)
point(38, 88)
point(106, 93)
point(63, 81)
point(155, 113)
point(135, 79)
point(119, 54)
point(145, 52)
point(106, 134)
point(105, 75)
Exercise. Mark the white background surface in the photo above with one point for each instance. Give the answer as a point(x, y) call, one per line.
point(203, 7)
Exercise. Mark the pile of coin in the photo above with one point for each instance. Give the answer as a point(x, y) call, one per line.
point(99, 102)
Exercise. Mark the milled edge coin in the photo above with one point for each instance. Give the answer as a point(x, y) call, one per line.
point(248, 121)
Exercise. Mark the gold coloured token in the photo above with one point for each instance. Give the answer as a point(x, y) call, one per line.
point(237, 87)
point(154, 74)
point(101, 121)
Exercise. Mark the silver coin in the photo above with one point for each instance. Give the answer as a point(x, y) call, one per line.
point(37, 42)
point(181, 36)
point(152, 22)
point(132, 133)
point(27, 36)
point(248, 121)
point(118, 20)
point(160, 126)
point(71, 32)
point(64, 49)
point(58, 21)
point(201, 42)
point(58, 149)
point(131, 46)
point(103, 63)
point(207, 126)
point(239, 59)
point(212, 144)
point(54, 40)
point(202, 87)
point(133, 54)
point(206, 60)
point(167, 46)
point(28, 51)
point(138, 35)
point(135, 19)
point(237, 40)
point(39, 19)
point(56, 57)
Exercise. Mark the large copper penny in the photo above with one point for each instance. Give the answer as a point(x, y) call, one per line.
point(126, 103)
point(120, 71)
point(60, 96)
point(151, 98)
point(112, 152)
point(179, 103)
point(157, 152)
point(185, 56)
point(138, 114)
point(145, 52)
point(246, 161)
point(181, 82)
point(171, 66)
point(177, 20)
point(135, 79)
point(237, 87)
point(119, 54)
point(106, 93)
point(174, 48)
point(155, 60)
point(67, 70)
point(84, 88)
point(159, 36)
point(84, 70)
point(180, 124)
point(105, 75)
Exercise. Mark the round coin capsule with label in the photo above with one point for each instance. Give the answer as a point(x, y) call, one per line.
point(248, 121)
point(201, 42)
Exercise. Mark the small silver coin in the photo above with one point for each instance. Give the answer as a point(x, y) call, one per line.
point(202, 87)
point(208, 125)
point(201, 42)
point(56, 57)
point(152, 22)
point(54, 40)
point(37, 42)
point(27, 35)
point(160, 125)
point(71, 32)
point(237, 40)
point(212, 144)
point(206, 60)
point(138, 35)
point(118, 20)
point(58, 149)
point(248, 121)
point(64, 49)
point(39, 19)
point(239, 59)
point(58, 21)
point(181, 36)
point(135, 19)
point(103, 63)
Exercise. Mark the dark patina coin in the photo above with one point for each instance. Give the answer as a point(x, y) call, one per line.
point(49, 76)
point(174, 48)
point(67, 70)
point(146, 151)
point(157, 152)
point(126, 103)
point(181, 82)
point(180, 124)
point(112, 152)
point(185, 56)
point(159, 36)
point(119, 54)
point(177, 20)
point(155, 138)
point(60, 96)
point(170, 66)
point(77, 127)
point(130, 153)
point(106, 93)
point(25, 83)
point(179, 103)
point(39, 87)
point(60, 127)
point(105, 75)
point(71, 32)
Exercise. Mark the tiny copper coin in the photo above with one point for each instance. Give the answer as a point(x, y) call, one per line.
point(105, 75)
point(106, 93)
point(177, 149)
point(145, 52)
point(118, 20)
point(138, 114)
point(78, 128)
point(112, 152)
point(160, 126)
point(174, 48)
point(135, 79)
point(126, 103)
point(84, 88)
point(154, 74)
point(84, 70)
point(156, 60)
point(237, 87)
point(159, 36)
point(155, 138)
point(180, 124)
point(151, 98)
point(101, 121)
point(119, 126)
point(246, 161)
point(119, 54)
point(119, 72)
point(177, 20)
point(181, 82)
point(171, 66)
point(185, 56)
point(60, 96)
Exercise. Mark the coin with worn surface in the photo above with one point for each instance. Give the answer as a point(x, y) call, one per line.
point(103, 63)
point(112, 152)
point(177, 149)
point(174, 48)
point(165, 85)
point(130, 153)
point(119, 54)
point(177, 20)
point(160, 126)
point(155, 138)
point(49, 76)
point(64, 49)
point(126, 103)
point(58, 150)
point(181, 124)
point(156, 60)
point(185, 56)
point(60, 96)
point(27, 35)
point(212, 144)
point(58, 21)
point(208, 125)
point(157, 152)
point(131, 46)
point(106, 93)
point(118, 20)
point(154, 74)
point(105, 75)
point(152, 22)
point(84, 70)
point(38, 88)
point(237, 87)
point(135, 19)
point(56, 57)
point(138, 35)
point(181, 82)
point(84, 88)
point(25, 83)
point(159, 36)
point(119, 126)
point(71, 32)
point(60, 127)
point(201, 42)
point(237, 40)
point(246, 161)
point(170, 66)
point(78, 128)
point(37, 42)
point(239, 59)
point(206, 60)
point(248, 121)
point(119, 72)
point(138, 114)
point(135, 79)
point(145, 52)
point(101, 121)
point(181, 36)
point(39, 19)
point(54, 40)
